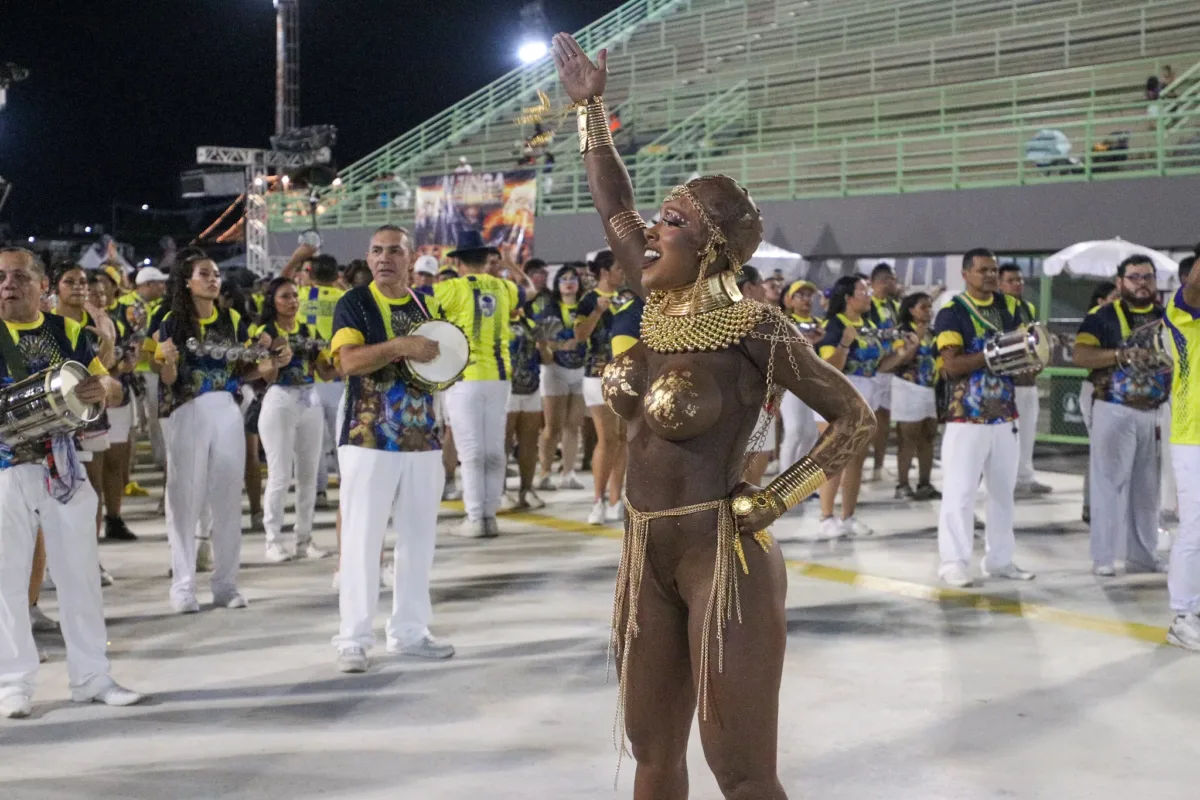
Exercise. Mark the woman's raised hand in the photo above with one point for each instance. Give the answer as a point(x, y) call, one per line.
point(579, 76)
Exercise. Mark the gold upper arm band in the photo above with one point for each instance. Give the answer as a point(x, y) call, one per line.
point(593, 126)
point(625, 223)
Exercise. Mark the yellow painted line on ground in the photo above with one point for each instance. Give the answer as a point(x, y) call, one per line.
point(1137, 631)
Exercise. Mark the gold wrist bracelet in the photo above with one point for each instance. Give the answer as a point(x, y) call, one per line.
point(797, 482)
point(625, 223)
point(593, 126)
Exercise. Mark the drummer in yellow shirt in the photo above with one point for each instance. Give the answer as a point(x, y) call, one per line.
point(481, 304)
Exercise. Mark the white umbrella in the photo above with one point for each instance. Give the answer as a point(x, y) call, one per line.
point(1099, 259)
point(768, 258)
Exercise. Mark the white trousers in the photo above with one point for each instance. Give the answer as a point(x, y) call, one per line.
point(331, 396)
point(1168, 492)
point(970, 452)
point(1123, 472)
point(1183, 580)
point(158, 448)
point(478, 409)
point(799, 430)
point(70, 534)
point(1027, 410)
point(377, 484)
point(207, 452)
point(291, 426)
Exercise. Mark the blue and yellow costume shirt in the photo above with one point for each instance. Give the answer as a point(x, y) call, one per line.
point(626, 328)
point(47, 342)
point(567, 314)
point(980, 397)
point(866, 351)
point(301, 370)
point(1108, 326)
point(1183, 323)
point(923, 370)
point(201, 374)
point(599, 344)
point(525, 357)
point(383, 410)
point(482, 306)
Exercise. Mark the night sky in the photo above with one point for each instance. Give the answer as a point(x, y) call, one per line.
point(122, 91)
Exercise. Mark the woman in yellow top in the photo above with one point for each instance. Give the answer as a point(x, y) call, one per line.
point(799, 424)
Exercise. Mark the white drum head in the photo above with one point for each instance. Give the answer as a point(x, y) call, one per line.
point(70, 375)
point(454, 355)
point(1041, 343)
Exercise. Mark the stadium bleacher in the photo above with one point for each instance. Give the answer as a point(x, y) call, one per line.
point(815, 97)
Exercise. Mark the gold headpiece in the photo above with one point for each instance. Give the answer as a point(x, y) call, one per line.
point(716, 239)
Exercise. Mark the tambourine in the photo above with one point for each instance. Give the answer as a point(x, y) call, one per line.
point(228, 351)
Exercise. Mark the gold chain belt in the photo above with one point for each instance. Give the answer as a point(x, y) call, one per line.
point(723, 599)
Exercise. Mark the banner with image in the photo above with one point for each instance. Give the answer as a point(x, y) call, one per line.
point(500, 205)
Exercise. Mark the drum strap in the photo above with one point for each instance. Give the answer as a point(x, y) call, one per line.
point(13, 358)
point(976, 317)
point(420, 303)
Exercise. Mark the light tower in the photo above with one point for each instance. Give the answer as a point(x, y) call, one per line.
point(287, 66)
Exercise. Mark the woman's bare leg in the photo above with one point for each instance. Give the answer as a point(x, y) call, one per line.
point(908, 433)
point(851, 483)
point(741, 732)
point(38, 573)
point(570, 432)
point(661, 699)
point(529, 427)
point(253, 474)
point(555, 413)
point(926, 438)
point(607, 434)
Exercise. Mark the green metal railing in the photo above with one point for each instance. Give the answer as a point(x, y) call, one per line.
point(461, 119)
point(1183, 96)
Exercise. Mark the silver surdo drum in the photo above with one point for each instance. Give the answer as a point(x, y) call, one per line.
point(1026, 349)
point(44, 405)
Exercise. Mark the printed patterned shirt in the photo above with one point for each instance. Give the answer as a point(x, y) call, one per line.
point(922, 370)
point(981, 397)
point(383, 411)
point(626, 326)
point(525, 358)
point(1108, 326)
point(866, 351)
point(599, 344)
point(201, 374)
point(301, 370)
point(1183, 322)
point(48, 342)
point(567, 313)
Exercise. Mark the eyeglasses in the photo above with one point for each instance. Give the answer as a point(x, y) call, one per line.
point(1147, 278)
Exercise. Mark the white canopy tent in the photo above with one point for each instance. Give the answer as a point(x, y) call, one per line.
point(768, 258)
point(99, 254)
point(1099, 259)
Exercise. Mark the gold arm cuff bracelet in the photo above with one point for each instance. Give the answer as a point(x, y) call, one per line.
point(625, 223)
point(593, 126)
point(797, 482)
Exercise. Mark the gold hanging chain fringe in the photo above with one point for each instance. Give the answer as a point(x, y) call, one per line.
point(723, 598)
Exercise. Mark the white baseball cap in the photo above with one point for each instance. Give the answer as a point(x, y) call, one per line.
point(150, 275)
point(426, 265)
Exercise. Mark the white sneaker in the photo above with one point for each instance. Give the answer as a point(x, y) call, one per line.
point(234, 600)
point(470, 530)
point(40, 622)
point(852, 527)
point(107, 691)
point(1009, 571)
point(597, 515)
point(15, 706)
point(276, 554)
point(451, 492)
point(831, 528)
point(188, 605)
point(106, 578)
point(545, 484)
point(426, 647)
point(352, 659)
point(954, 575)
point(614, 512)
point(204, 555)
point(1104, 571)
point(309, 551)
point(1185, 632)
point(491, 528)
point(570, 481)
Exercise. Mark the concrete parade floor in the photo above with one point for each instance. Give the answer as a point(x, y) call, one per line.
point(892, 689)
